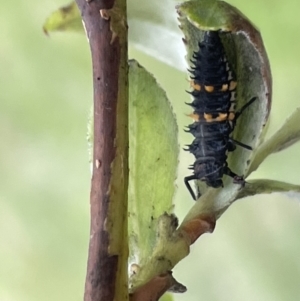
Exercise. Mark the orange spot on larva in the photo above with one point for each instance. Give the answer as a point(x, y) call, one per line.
point(195, 117)
point(232, 85)
point(195, 86)
point(231, 116)
point(208, 117)
point(221, 117)
point(209, 88)
point(224, 87)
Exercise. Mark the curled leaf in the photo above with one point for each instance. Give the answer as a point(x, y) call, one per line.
point(247, 56)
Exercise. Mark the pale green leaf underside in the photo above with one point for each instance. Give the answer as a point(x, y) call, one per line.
point(152, 31)
point(153, 159)
point(287, 135)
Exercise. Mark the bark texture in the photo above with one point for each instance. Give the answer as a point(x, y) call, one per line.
point(109, 56)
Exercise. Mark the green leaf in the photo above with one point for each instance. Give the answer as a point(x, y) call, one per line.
point(158, 41)
point(66, 18)
point(286, 136)
point(247, 57)
point(153, 160)
point(170, 247)
point(152, 31)
point(262, 186)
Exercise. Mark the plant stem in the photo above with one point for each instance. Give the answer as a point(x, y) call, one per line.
point(105, 24)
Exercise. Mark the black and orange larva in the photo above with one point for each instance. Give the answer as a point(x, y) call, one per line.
point(214, 89)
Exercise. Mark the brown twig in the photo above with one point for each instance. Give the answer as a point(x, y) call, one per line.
point(156, 287)
point(107, 259)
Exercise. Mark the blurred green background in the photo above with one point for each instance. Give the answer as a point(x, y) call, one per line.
point(46, 94)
